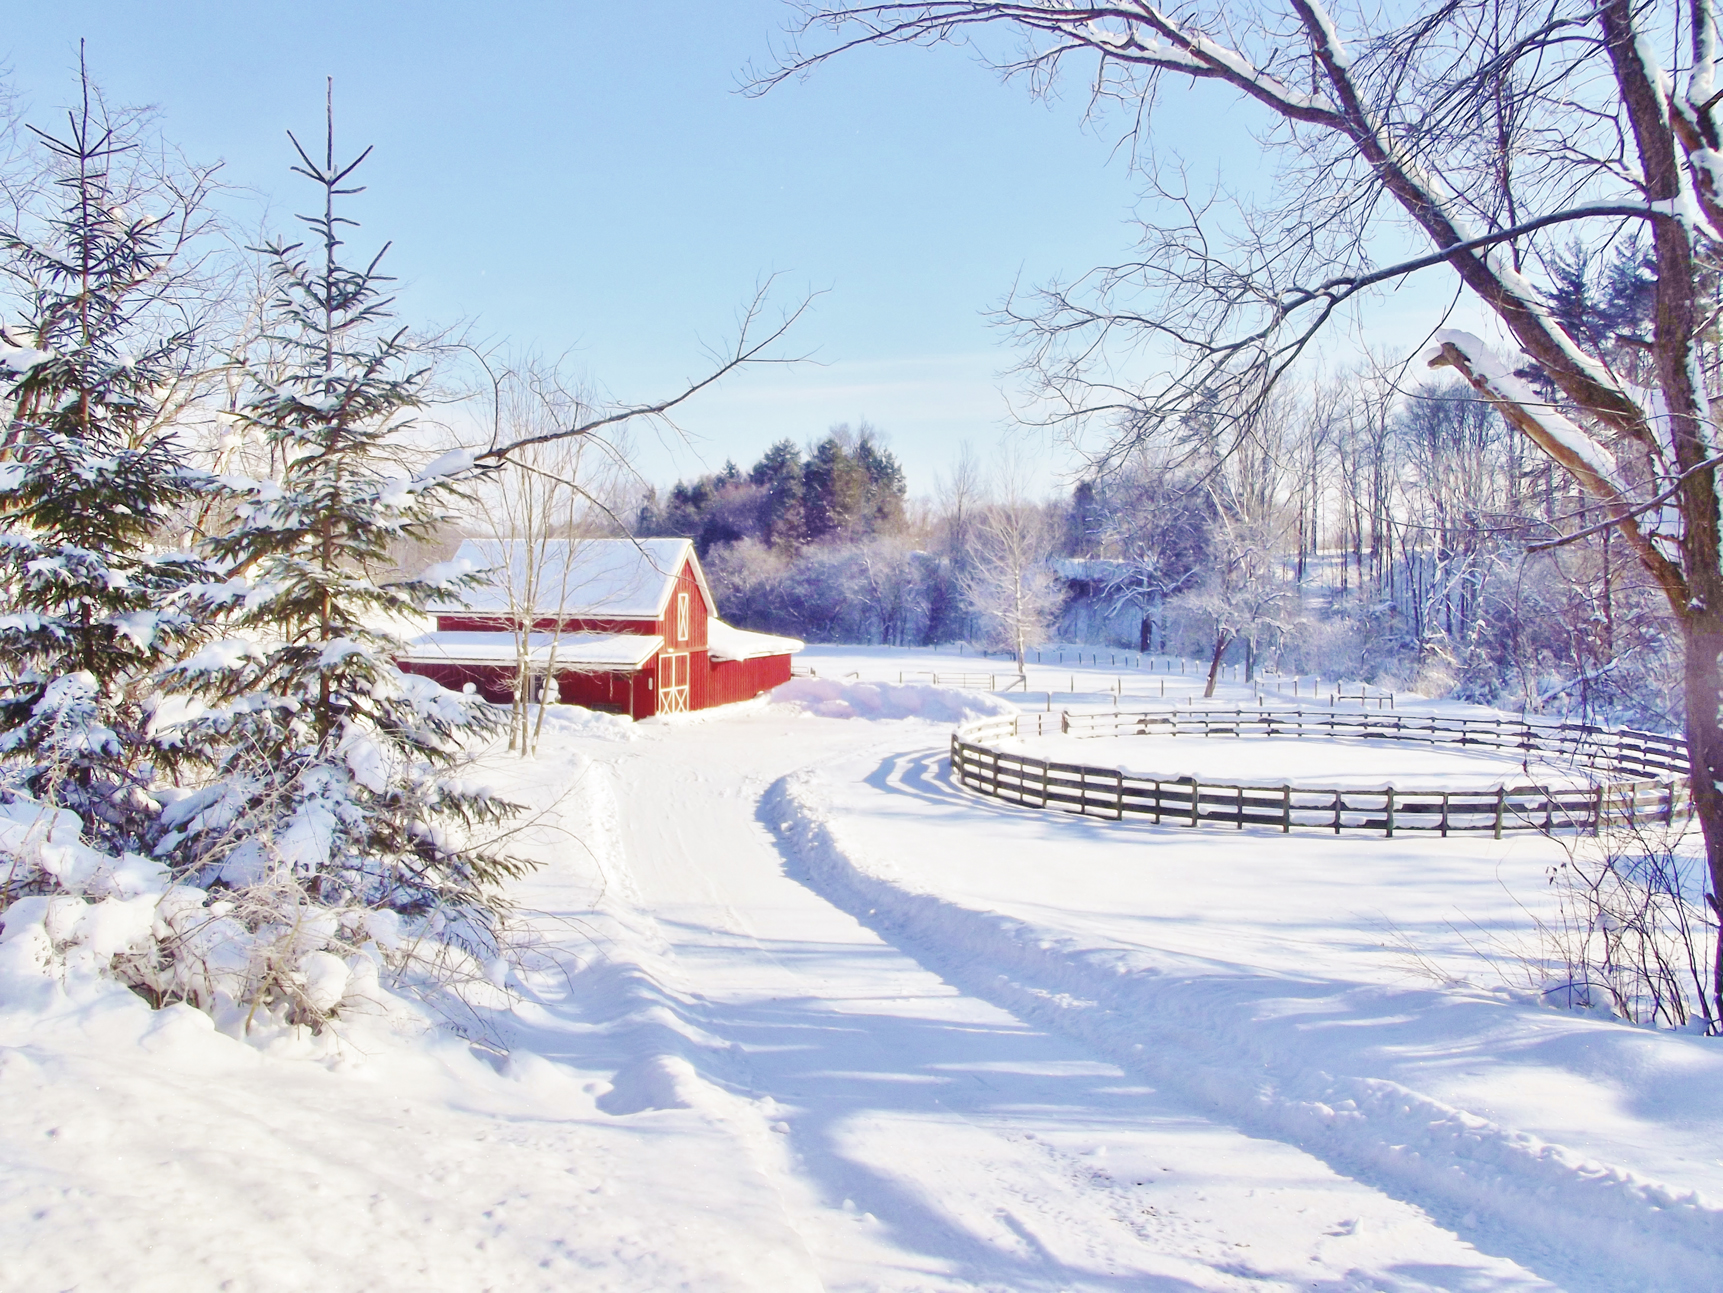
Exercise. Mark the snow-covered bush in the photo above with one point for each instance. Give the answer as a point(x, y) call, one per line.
point(259, 957)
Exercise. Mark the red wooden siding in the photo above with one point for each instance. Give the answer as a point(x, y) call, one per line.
point(482, 623)
point(731, 680)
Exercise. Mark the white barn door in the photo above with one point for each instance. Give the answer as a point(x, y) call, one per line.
point(673, 682)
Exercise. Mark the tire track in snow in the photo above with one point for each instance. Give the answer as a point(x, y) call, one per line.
point(633, 1009)
point(1594, 1221)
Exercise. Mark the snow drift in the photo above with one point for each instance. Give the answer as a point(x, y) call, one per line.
point(829, 698)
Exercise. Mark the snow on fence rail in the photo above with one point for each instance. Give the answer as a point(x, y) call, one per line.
point(1653, 788)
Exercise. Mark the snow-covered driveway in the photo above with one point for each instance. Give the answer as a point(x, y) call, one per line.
point(930, 1139)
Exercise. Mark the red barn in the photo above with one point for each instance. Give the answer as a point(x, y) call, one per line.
point(622, 625)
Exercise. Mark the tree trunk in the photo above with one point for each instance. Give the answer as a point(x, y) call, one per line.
point(1702, 640)
point(1222, 639)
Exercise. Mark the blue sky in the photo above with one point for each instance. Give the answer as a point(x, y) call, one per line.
point(582, 178)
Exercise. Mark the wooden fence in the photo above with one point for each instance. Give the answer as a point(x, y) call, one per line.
point(1644, 774)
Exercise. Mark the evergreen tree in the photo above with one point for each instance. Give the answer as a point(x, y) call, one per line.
point(89, 478)
point(1607, 299)
point(779, 473)
point(833, 488)
point(887, 487)
point(332, 765)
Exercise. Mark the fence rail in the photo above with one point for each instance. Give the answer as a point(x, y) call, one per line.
point(1644, 773)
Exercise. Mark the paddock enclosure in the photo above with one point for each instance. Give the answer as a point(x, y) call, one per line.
point(1570, 777)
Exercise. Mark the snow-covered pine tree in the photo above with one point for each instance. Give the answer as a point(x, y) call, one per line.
point(334, 771)
point(89, 477)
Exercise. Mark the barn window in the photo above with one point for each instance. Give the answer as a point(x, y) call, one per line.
point(681, 617)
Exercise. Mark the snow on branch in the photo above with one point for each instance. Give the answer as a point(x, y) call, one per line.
point(17, 356)
point(1586, 460)
point(1563, 438)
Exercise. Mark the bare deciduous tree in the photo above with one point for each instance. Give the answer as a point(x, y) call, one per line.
point(548, 496)
point(1482, 129)
point(1009, 581)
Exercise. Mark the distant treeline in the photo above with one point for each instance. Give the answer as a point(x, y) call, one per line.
point(846, 489)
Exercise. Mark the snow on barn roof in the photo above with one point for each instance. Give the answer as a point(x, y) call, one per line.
point(572, 650)
point(727, 642)
point(596, 578)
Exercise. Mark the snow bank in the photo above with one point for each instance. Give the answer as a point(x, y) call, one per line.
point(1295, 1059)
point(564, 721)
point(829, 698)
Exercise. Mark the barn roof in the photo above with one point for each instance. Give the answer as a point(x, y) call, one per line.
point(628, 579)
point(573, 650)
point(727, 642)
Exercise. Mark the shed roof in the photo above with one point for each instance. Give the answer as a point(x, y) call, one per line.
point(727, 642)
point(573, 650)
point(582, 578)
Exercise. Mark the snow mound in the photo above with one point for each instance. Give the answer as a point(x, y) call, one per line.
point(829, 698)
point(576, 720)
point(654, 1082)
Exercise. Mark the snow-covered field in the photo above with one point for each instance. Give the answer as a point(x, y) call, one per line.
point(794, 1013)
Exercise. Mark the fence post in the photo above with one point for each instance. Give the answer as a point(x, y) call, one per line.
point(1064, 722)
point(1390, 812)
point(1285, 810)
point(1119, 777)
point(1501, 801)
point(1444, 814)
point(1157, 803)
point(1597, 814)
point(1196, 788)
point(1337, 812)
point(1239, 791)
point(1082, 792)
